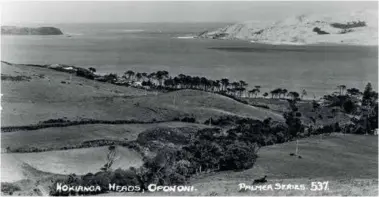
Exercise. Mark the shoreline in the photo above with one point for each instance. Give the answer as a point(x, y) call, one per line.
point(281, 43)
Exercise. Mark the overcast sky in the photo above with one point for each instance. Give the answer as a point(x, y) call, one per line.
point(105, 12)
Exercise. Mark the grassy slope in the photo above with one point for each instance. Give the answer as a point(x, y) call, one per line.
point(60, 137)
point(204, 105)
point(341, 159)
point(306, 108)
point(28, 102)
point(349, 162)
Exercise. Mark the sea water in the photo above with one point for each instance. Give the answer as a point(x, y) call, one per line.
point(149, 47)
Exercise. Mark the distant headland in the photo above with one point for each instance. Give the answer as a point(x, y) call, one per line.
point(14, 30)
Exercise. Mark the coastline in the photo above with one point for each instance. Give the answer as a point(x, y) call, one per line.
point(286, 43)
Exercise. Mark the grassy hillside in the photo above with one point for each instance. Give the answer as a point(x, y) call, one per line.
point(42, 96)
point(342, 159)
point(305, 107)
point(339, 155)
point(59, 137)
point(348, 162)
point(203, 105)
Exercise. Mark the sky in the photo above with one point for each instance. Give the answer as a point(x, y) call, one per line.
point(155, 11)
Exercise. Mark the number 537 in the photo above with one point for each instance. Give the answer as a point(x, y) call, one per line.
point(319, 186)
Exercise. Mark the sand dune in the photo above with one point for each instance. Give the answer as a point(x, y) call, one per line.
point(299, 30)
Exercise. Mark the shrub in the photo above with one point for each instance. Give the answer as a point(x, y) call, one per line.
point(112, 78)
point(15, 78)
point(348, 25)
point(349, 106)
point(125, 177)
point(9, 188)
point(188, 119)
point(238, 156)
point(319, 31)
point(345, 31)
point(85, 73)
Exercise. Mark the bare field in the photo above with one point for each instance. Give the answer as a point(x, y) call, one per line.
point(78, 161)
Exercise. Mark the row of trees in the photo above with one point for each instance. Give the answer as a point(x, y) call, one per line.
point(282, 93)
point(348, 25)
point(162, 80)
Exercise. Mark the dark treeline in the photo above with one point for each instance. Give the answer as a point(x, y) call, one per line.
point(14, 78)
point(161, 80)
point(348, 25)
point(60, 122)
point(85, 144)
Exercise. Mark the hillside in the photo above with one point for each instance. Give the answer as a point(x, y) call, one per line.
point(13, 30)
point(133, 124)
point(58, 138)
point(358, 28)
point(33, 94)
point(348, 162)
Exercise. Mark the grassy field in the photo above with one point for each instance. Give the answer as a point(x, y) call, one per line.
point(59, 137)
point(345, 160)
point(348, 162)
point(335, 156)
point(78, 161)
point(42, 98)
